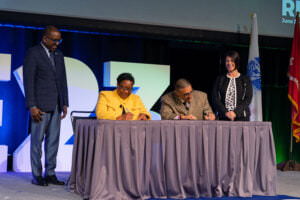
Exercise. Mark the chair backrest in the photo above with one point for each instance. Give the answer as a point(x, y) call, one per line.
point(74, 116)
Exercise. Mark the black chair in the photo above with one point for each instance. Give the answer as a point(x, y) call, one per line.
point(74, 118)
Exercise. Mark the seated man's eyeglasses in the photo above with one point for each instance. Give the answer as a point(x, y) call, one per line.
point(187, 94)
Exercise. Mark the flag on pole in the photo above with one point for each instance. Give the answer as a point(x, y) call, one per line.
point(294, 79)
point(253, 72)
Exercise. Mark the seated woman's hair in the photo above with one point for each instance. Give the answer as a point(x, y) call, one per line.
point(125, 76)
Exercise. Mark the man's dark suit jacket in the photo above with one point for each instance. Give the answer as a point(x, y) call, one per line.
point(45, 87)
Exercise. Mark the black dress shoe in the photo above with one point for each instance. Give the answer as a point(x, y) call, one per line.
point(53, 180)
point(39, 181)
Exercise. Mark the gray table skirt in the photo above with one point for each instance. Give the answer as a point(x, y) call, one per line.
point(172, 159)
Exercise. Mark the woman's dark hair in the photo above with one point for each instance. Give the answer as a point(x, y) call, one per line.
point(235, 57)
point(125, 76)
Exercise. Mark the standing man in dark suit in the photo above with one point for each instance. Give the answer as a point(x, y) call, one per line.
point(46, 94)
point(184, 103)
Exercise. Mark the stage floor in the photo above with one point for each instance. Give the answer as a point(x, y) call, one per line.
point(17, 186)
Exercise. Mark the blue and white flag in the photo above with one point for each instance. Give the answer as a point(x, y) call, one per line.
point(253, 72)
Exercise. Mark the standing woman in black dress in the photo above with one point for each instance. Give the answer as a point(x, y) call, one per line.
point(232, 92)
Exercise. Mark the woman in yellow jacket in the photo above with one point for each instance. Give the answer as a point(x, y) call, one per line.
point(121, 104)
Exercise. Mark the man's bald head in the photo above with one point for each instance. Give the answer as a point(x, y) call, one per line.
point(182, 83)
point(48, 29)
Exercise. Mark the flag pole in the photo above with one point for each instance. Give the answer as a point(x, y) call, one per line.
point(254, 73)
point(291, 142)
point(291, 161)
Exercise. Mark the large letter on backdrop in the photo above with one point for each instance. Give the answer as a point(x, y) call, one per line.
point(5, 68)
point(151, 79)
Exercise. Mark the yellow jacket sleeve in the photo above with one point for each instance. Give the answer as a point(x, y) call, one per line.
point(105, 109)
point(139, 108)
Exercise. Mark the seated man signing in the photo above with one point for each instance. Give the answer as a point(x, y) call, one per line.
point(121, 104)
point(185, 103)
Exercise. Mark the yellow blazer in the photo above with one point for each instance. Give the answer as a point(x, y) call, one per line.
point(110, 105)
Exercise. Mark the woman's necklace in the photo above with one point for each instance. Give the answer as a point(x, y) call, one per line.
point(233, 74)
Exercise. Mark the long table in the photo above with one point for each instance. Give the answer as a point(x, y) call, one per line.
point(172, 159)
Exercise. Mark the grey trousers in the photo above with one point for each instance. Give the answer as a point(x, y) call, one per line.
point(48, 129)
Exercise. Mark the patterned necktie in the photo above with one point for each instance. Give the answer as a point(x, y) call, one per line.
point(52, 59)
point(186, 105)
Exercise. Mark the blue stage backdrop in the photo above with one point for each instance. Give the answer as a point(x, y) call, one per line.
point(14, 126)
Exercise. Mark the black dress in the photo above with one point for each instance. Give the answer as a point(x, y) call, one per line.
point(243, 97)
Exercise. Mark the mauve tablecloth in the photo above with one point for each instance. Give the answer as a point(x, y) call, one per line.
point(174, 159)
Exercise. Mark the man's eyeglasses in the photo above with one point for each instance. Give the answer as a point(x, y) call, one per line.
point(187, 94)
point(56, 40)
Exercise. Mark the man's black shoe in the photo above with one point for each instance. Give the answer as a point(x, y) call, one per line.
point(53, 180)
point(39, 181)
